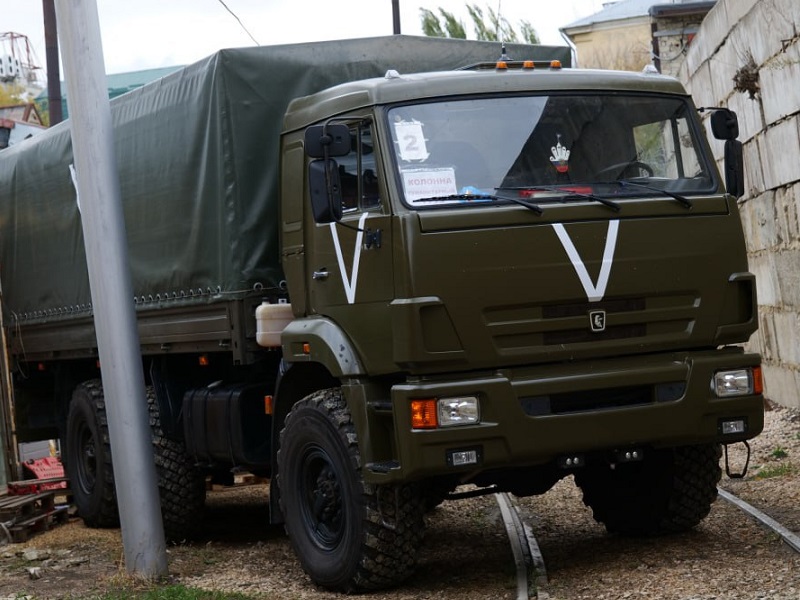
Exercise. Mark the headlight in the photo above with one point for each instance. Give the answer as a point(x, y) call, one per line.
point(458, 411)
point(737, 382)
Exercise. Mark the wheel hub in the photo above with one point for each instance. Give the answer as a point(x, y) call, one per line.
point(87, 463)
point(323, 510)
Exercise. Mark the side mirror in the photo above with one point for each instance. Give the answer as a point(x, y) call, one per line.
point(734, 168)
point(333, 138)
point(724, 124)
point(325, 190)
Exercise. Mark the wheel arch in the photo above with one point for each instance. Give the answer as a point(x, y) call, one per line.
point(321, 340)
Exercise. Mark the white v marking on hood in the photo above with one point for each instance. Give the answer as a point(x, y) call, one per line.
point(594, 292)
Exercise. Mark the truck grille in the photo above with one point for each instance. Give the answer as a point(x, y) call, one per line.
point(515, 328)
point(584, 334)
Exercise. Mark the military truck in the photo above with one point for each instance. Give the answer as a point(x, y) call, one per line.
point(376, 279)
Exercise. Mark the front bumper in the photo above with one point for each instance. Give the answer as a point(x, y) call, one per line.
point(535, 415)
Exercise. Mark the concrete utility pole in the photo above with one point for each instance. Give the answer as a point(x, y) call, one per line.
point(110, 284)
point(51, 55)
point(396, 16)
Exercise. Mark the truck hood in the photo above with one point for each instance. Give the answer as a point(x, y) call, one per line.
point(500, 286)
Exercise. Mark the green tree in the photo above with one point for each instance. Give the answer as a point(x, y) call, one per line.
point(11, 94)
point(448, 27)
point(487, 25)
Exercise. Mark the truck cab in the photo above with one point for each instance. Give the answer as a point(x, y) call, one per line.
point(522, 274)
point(564, 237)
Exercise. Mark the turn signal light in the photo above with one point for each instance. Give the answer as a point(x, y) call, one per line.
point(758, 380)
point(423, 414)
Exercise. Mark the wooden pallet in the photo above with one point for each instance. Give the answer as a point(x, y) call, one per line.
point(25, 515)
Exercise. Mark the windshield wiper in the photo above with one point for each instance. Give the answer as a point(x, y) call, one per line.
point(565, 194)
point(529, 205)
point(623, 182)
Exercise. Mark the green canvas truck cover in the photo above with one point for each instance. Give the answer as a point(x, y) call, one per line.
point(198, 158)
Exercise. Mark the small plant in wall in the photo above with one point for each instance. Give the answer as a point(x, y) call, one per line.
point(746, 77)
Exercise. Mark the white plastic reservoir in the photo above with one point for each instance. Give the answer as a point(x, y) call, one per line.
point(271, 319)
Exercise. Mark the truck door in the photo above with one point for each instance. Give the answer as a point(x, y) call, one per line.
point(349, 264)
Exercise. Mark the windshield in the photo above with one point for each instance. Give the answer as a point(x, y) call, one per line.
point(547, 148)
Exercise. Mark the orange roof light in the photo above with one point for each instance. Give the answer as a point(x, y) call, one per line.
point(555, 64)
point(528, 64)
point(501, 65)
point(423, 414)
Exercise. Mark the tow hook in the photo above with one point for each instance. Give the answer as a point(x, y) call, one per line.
point(746, 463)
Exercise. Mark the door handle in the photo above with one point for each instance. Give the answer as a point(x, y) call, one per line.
point(320, 275)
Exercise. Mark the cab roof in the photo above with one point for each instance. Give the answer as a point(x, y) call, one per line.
point(398, 88)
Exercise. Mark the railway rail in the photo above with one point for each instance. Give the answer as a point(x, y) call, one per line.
point(788, 536)
point(531, 573)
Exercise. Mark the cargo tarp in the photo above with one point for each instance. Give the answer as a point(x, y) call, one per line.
point(198, 159)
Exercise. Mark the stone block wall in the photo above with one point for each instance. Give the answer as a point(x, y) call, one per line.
point(746, 56)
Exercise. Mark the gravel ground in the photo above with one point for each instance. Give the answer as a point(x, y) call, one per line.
point(466, 553)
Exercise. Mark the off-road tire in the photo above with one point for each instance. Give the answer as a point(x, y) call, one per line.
point(88, 457)
point(181, 484)
point(670, 491)
point(349, 536)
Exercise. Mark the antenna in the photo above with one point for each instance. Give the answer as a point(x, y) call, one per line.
point(499, 28)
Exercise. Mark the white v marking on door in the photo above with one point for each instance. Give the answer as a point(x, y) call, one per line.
point(349, 285)
point(594, 292)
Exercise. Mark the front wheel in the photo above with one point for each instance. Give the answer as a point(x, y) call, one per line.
point(671, 490)
point(348, 535)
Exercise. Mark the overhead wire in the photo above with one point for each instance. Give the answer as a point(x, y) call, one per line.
point(240, 22)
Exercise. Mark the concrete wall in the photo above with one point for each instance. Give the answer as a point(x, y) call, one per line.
point(673, 37)
point(758, 43)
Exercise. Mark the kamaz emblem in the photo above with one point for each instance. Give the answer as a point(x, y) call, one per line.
point(597, 320)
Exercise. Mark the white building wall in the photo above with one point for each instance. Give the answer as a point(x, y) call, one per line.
point(766, 34)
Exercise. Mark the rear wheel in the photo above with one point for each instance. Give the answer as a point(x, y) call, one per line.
point(89, 467)
point(181, 485)
point(349, 536)
point(671, 490)
point(88, 457)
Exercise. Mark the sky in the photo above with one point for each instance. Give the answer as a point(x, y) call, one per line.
point(145, 34)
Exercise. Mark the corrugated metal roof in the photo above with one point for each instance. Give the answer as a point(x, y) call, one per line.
point(622, 10)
